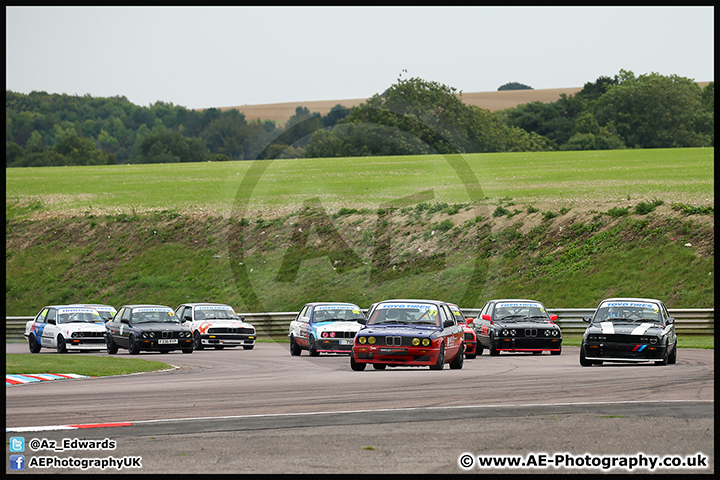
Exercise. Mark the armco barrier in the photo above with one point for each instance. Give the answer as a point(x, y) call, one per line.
point(698, 321)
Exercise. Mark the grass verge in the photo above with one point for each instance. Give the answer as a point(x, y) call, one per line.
point(21, 363)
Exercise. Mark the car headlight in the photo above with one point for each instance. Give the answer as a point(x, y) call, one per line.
point(596, 338)
point(416, 342)
point(649, 339)
point(508, 333)
point(426, 342)
point(362, 340)
point(371, 340)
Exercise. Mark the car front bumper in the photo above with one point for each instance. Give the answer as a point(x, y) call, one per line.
point(529, 344)
point(227, 340)
point(416, 356)
point(624, 352)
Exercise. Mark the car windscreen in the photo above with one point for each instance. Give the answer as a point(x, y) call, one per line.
point(216, 312)
point(627, 312)
point(337, 313)
point(74, 315)
point(405, 314)
point(521, 312)
point(149, 315)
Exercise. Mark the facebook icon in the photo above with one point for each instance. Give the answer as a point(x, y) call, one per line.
point(17, 462)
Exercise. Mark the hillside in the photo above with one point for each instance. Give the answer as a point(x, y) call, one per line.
point(493, 101)
point(281, 112)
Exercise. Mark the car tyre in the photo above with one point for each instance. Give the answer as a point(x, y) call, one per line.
point(440, 360)
point(295, 349)
point(197, 341)
point(672, 359)
point(187, 350)
point(459, 360)
point(112, 347)
point(33, 344)
point(356, 366)
point(584, 361)
point(494, 352)
point(556, 353)
point(248, 347)
point(379, 366)
point(132, 347)
point(312, 350)
point(666, 357)
point(61, 346)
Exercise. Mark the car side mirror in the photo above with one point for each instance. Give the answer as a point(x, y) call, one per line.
point(448, 324)
point(670, 320)
point(305, 319)
point(468, 321)
point(486, 317)
point(187, 318)
point(125, 321)
point(242, 318)
point(586, 319)
point(362, 321)
point(52, 321)
point(553, 317)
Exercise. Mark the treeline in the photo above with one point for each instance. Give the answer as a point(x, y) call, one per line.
point(413, 116)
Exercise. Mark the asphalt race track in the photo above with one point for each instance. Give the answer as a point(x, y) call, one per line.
point(263, 411)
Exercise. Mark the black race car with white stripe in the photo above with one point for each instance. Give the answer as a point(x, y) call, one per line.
point(630, 330)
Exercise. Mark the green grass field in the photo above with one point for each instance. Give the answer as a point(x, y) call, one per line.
point(280, 186)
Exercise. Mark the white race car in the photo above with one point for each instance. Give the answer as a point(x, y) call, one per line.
point(216, 325)
point(65, 327)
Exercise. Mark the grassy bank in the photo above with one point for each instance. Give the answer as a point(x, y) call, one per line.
point(566, 228)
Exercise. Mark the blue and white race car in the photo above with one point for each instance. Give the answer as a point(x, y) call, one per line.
point(327, 327)
point(65, 327)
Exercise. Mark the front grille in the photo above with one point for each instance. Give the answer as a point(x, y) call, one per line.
point(88, 334)
point(236, 330)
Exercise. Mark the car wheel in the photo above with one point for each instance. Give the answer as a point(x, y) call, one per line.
point(356, 366)
point(556, 353)
point(197, 341)
point(132, 348)
point(112, 347)
point(219, 347)
point(379, 366)
point(494, 352)
point(440, 360)
point(313, 351)
point(584, 361)
point(33, 344)
point(672, 359)
point(187, 350)
point(295, 349)
point(479, 349)
point(61, 347)
point(665, 358)
point(459, 360)
point(248, 347)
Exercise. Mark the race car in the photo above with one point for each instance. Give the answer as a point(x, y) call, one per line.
point(106, 311)
point(629, 330)
point(409, 333)
point(147, 327)
point(517, 325)
point(216, 325)
point(325, 327)
point(469, 336)
point(64, 328)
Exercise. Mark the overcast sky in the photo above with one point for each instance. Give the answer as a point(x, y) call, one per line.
point(200, 57)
